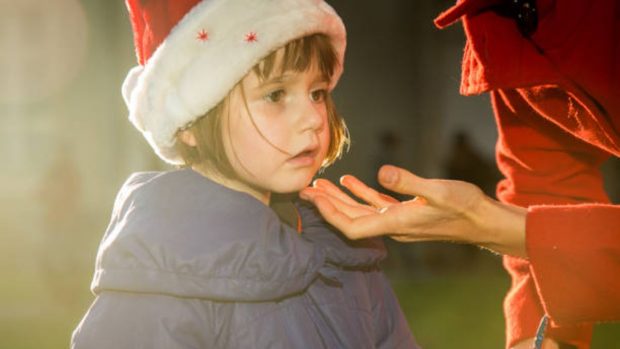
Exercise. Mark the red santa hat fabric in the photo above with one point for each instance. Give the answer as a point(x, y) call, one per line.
point(191, 53)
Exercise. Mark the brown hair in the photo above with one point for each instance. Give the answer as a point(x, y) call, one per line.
point(298, 56)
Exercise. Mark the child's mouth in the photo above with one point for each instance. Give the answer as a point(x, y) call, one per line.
point(304, 158)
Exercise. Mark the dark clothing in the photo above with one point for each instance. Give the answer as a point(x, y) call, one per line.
point(188, 263)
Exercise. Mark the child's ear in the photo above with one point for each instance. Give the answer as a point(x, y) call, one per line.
point(187, 137)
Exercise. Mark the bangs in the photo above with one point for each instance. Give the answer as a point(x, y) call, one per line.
point(299, 56)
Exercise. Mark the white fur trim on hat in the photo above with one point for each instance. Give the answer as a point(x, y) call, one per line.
point(187, 76)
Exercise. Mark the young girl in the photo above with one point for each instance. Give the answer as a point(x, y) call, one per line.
point(197, 257)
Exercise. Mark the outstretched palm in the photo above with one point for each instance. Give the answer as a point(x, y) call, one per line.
point(439, 210)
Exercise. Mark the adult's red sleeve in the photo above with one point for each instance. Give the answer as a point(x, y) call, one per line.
point(574, 254)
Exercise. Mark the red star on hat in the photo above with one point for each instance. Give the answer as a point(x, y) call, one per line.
point(202, 35)
point(251, 37)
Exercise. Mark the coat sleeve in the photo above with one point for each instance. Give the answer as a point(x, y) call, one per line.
point(574, 255)
point(139, 321)
point(392, 329)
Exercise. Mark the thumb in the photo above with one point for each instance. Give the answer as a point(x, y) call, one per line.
point(402, 181)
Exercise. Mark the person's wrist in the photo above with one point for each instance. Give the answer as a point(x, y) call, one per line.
point(502, 227)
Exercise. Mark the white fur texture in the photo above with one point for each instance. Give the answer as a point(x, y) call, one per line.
point(186, 77)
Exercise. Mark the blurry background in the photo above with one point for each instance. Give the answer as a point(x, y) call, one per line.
point(67, 147)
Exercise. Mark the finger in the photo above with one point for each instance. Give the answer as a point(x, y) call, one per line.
point(364, 192)
point(388, 198)
point(411, 238)
point(366, 226)
point(334, 216)
point(402, 181)
point(310, 193)
point(352, 228)
point(351, 210)
point(333, 190)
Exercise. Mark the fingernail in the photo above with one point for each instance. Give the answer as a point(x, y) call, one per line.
point(388, 175)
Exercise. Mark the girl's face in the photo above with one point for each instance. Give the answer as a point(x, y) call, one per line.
point(279, 139)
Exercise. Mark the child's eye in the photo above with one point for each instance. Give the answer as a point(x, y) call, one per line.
point(318, 95)
point(274, 96)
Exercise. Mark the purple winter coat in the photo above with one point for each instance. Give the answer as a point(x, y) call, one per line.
point(188, 263)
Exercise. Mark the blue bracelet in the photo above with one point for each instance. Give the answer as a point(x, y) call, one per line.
point(540, 333)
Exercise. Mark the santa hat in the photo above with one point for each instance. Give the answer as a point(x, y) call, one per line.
point(192, 53)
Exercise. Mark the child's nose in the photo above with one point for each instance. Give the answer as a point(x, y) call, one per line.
point(312, 116)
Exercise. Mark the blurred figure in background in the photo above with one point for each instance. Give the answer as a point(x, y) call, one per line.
point(465, 163)
point(61, 197)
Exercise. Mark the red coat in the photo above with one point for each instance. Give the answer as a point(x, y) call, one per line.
point(556, 99)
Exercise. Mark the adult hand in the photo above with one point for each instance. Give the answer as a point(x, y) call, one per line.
point(439, 210)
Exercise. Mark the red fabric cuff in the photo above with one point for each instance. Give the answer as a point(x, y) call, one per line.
point(574, 254)
point(524, 311)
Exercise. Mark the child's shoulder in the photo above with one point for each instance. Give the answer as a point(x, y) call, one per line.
point(143, 188)
point(182, 190)
point(214, 243)
point(156, 181)
point(186, 203)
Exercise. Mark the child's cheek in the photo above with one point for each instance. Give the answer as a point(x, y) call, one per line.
point(275, 130)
